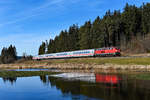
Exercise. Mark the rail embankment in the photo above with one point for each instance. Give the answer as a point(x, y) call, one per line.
point(98, 64)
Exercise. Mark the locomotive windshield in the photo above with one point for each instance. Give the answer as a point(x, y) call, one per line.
point(117, 48)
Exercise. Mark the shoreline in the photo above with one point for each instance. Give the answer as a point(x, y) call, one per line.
point(92, 67)
point(96, 64)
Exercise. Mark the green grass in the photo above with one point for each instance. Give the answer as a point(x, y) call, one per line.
point(119, 61)
point(24, 73)
point(141, 76)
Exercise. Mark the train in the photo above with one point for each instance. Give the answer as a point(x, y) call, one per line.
point(90, 77)
point(99, 52)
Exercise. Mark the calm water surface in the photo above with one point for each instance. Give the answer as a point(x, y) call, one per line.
point(68, 86)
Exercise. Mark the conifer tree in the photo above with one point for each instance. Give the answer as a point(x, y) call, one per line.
point(85, 36)
point(42, 48)
point(8, 55)
point(113, 29)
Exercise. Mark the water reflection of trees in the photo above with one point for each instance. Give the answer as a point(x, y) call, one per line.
point(12, 80)
point(44, 79)
point(124, 90)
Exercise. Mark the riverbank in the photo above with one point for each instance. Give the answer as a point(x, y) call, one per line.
point(96, 64)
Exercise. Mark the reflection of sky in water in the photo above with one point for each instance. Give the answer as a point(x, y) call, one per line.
point(28, 88)
point(34, 69)
point(31, 69)
point(32, 88)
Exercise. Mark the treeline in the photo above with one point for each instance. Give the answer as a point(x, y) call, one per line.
point(128, 29)
point(8, 55)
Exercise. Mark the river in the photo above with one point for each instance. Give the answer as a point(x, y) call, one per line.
point(74, 86)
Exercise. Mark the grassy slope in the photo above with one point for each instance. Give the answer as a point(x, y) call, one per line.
point(143, 77)
point(100, 61)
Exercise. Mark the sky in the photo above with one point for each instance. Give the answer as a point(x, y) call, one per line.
point(26, 23)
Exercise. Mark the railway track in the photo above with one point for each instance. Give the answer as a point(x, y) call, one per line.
point(124, 57)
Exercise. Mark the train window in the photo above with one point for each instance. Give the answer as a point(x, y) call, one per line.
point(117, 48)
point(81, 52)
point(99, 49)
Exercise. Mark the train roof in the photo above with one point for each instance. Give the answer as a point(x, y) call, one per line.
point(63, 52)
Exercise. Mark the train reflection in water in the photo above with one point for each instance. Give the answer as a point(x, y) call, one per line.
point(87, 77)
point(90, 77)
point(112, 79)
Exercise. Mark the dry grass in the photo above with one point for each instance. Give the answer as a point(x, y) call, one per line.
point(99, 61)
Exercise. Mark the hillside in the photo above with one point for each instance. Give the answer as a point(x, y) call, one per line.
point(128, 29)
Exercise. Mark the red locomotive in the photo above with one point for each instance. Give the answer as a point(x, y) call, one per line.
point(110, 51)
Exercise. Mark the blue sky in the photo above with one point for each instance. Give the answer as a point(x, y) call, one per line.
point(26, 23)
